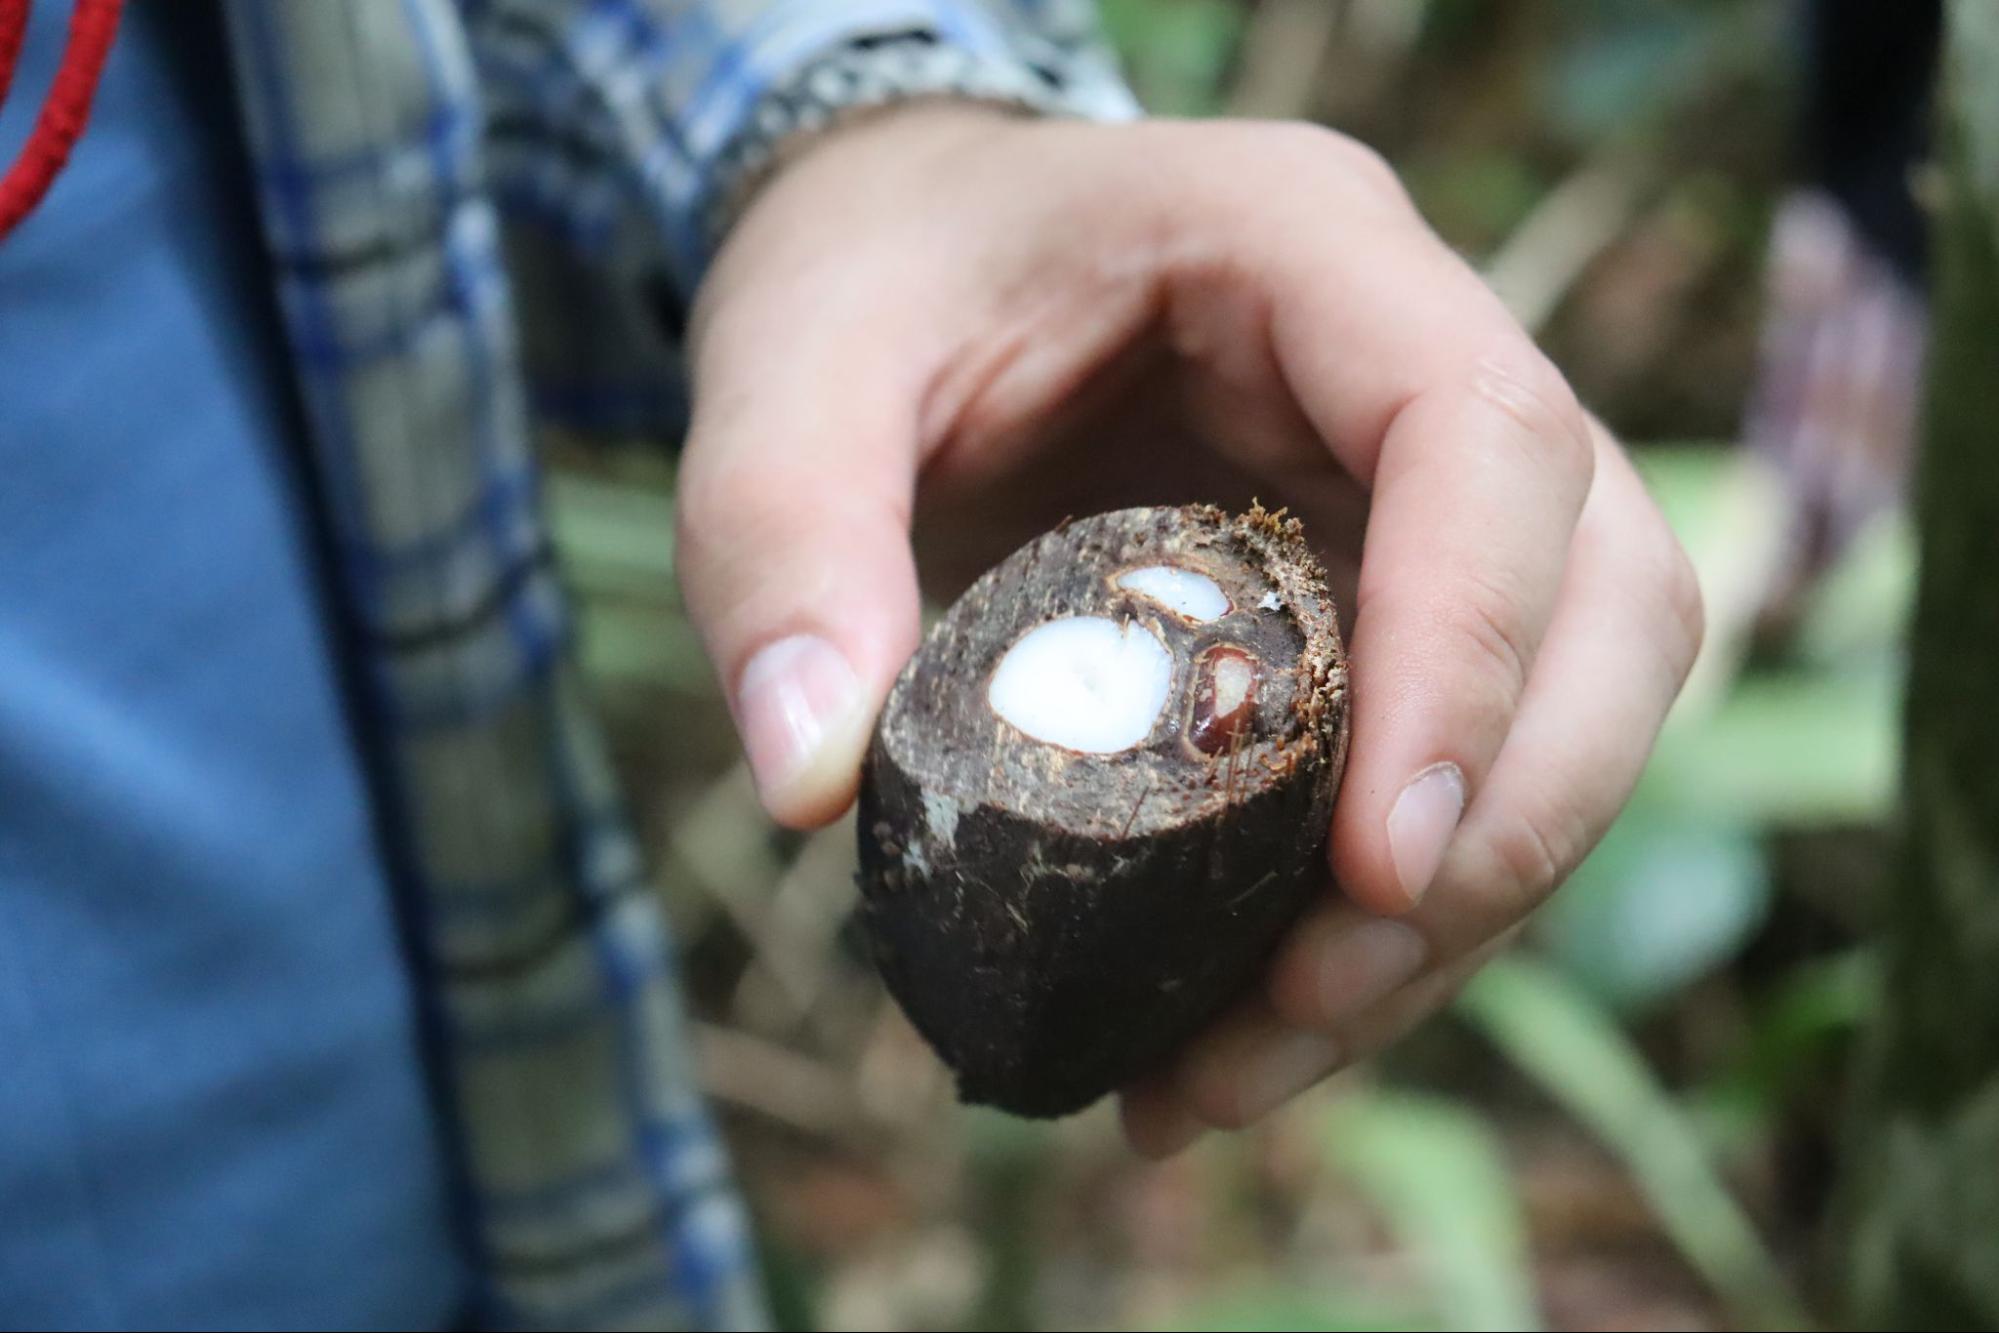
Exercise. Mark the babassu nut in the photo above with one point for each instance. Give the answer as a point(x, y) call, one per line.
point(1098, 795)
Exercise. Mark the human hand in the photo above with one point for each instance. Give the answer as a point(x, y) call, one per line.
point(969, 325)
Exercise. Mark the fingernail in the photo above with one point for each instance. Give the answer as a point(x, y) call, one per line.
point(788, 697)
point(1421, 824)
point(1367, 964)
point(1285, 1068)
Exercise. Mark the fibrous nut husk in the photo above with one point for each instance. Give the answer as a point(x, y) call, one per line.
point(1057, 921)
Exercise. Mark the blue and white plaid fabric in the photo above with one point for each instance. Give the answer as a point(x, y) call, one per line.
point(485, 217)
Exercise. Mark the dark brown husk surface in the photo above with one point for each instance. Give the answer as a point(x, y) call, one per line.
point(1057, 923)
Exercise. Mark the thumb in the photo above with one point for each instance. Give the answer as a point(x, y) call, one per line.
point(794, 556)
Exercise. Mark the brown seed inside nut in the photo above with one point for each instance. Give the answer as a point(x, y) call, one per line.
point(1224, 701)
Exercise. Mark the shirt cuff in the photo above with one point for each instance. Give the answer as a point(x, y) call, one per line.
point(870, 72)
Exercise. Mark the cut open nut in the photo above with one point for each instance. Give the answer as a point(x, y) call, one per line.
point(1185, 592)
point(1099, 794)
point(1085, 683)
point(1222, 710)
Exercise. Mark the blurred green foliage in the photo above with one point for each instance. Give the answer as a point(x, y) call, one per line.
point(1259, 1306)
point(1177, 53)
point(1438, 1173)
point(1576, 1052)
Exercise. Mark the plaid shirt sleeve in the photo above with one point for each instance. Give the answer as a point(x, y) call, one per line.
point(621, 134)
point(481, 217)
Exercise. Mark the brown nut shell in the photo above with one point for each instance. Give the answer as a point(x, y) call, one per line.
point(1055, 922)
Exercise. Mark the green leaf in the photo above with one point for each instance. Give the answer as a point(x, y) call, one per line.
point(656, 650)
point(1796, 749)
point(1817, 1005)
point(612, 531)
point(1177, 52)
point(791, 1284)
point(1278, 1306)
point(1473, 195)
point(1008, 1160)
point(1862, 607)
point(1622, 64)
point(1577, 1054)
point(614, 534)
point(1662, 901)
point(994, 1139)
point(1684, 479)
point(1436, 1172)
point(1811, 746)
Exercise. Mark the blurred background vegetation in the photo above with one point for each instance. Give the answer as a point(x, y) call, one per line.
point(1627, 1123)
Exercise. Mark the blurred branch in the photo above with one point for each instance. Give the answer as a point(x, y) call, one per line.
point(797, 955)
point(1572, 225)
point(794, 1089)
point(1376, 40)
point(722, 843)
point(1283, 53)
point(896, 1076)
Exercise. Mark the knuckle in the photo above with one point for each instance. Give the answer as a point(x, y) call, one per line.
point(1489, 626)
point(726, 504)
point(1337, 161)
point(707, 502)
point(727, 524)
point(1367, 168)
point(1537, 850)
point(1534, 395)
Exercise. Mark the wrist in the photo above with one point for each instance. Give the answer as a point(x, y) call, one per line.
point(871, 83)
point(845, 142)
